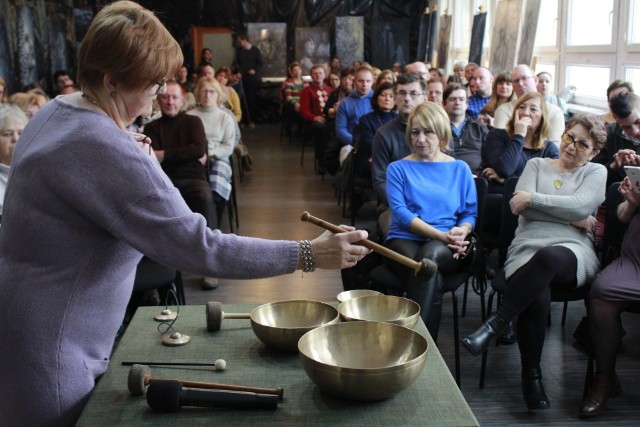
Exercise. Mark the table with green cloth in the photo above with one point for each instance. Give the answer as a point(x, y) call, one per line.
point(433, 399)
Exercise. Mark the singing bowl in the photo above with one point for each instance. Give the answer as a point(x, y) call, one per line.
point(356, 293)
point(381, 308)
point(363, 360)
point(281, 324)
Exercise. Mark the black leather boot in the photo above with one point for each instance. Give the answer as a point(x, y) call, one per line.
point(532, 389)
point(479, 341)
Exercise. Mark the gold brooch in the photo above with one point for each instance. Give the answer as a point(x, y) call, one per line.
point(557, 183)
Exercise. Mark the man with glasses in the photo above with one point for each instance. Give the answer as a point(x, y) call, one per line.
point(180, 144)
point(467, 134)
point(390, 142)
point(623, 137)
point(483, 80)
point(524, 81)
point(435, 91)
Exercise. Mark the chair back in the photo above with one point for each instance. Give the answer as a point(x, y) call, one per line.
point(509, 221)
point(482, 188)
point(613, 229)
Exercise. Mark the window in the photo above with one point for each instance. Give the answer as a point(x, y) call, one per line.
point(590, 23)
point(591, 83)
point(547, 32)
point(632, 75)
point(634, 16)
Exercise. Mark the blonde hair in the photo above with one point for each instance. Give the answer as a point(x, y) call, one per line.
point(433, 118)
point(209, 81)
point(542, 132)
point(6, 89)
point(130, 43)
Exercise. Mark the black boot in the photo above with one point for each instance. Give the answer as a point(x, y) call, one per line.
point(479, 341)
point(509, 335)
point(532, 389)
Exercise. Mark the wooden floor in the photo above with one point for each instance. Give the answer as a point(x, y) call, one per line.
point(271, 200)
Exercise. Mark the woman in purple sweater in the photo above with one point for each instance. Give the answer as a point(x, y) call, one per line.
point(85, 200)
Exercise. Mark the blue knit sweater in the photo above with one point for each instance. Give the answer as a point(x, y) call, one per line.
point(349, 112)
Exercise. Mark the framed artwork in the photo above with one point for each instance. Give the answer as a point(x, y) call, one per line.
point(219, 40)
point(312, 47)
point(349, 39)
point(391, 41)
point(271, 39)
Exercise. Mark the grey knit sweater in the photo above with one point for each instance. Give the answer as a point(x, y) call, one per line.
point(83, 204)
point(546, 221)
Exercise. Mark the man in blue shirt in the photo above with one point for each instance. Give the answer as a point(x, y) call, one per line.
point(356, 105)
point(483, 79)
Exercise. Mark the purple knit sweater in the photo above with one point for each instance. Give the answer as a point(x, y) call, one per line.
point(83, 204)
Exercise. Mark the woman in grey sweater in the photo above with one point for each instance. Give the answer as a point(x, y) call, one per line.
point(553, 245)
point(85, 200)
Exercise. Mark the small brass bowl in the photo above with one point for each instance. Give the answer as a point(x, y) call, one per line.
point(363, 360)
point(381, 308)
point(281, 324)
point(356, 293)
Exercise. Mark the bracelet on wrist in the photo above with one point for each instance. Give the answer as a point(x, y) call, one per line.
point(305, 251)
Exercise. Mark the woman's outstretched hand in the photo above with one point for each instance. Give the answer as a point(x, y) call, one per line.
point(337, 250)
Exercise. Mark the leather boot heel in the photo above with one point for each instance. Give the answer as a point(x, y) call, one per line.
point(479, 341)
point(533, 390)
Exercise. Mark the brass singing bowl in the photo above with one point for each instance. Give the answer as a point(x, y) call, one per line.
point(381, 308)
point(281, 324)
point(356, 293)
point(363, 360)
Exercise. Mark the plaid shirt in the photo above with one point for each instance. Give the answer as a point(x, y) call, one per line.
point(476, 102)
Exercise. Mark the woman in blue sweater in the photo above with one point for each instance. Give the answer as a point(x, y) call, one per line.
point(434, 203)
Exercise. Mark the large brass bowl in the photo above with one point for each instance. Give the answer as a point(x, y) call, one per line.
point(356, 293)
point(281, 324)
point(381, 308)
point(363, 360)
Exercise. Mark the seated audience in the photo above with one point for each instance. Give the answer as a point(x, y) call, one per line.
point(4, 91)
point(180, 144)
point(615, 290)
point(501, 93)
point(553, 246)
point(469, 71)
point(483, 81)
point(12, 122)
point(220, 130)
point(29, 103)
point(419, 68)
point(458, 74)
point(506, 151)
point(385, 76)
point(390, 141)
point(313, 99)
point(545, 88)
point(354, 106)
point(616, 87)
point(434, 203)
point(384, 105)
point(467, 135)
point(231, 99)
point(334, 79)
point(435, 89)
point(182, 76)
point(623, 137)
point(347, 76)
point(524, 81)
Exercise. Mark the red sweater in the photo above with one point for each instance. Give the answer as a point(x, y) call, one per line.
point(312, 100)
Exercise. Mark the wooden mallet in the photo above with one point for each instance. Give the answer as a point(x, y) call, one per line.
point(425, 269)
point(215, 316)
point(140, 377)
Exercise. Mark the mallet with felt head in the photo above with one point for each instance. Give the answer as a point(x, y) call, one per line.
point(215, 316)
point(140, 377)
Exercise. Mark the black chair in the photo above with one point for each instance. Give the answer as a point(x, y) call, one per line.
point(152, 275)
point(385, 281)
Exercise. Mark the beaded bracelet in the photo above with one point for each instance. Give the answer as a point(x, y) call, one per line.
point(305, 250)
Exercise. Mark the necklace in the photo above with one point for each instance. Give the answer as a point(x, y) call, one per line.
point(379, 120)
point(557, 183)
point(92, 100)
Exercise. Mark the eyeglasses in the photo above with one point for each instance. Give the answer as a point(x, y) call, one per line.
point(160, 84)
point(579, 145)
point(207, 92)
point(413, 93)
